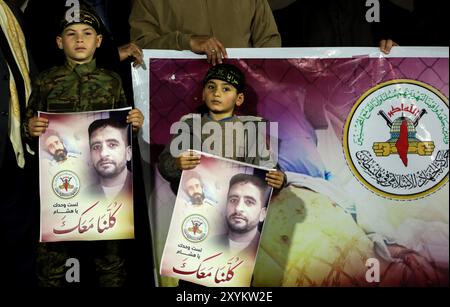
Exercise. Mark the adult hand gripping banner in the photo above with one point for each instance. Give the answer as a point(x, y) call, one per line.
point(363, 139)
point(86, 177)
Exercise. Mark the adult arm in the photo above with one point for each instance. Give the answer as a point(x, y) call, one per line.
point(264, 29)
point(146, 29)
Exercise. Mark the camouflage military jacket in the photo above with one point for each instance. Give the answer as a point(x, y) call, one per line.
point(76, 88)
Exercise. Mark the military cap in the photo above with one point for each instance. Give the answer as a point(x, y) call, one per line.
point(87, 16)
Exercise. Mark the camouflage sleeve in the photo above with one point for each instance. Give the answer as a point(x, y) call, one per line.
point(36, 101)
point(119, 94)
point(122, 101)
point(114, 87)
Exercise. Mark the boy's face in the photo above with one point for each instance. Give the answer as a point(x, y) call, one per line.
point(221, 97)
point(79, 42)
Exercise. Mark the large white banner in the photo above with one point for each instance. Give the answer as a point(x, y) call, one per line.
point(363, 139)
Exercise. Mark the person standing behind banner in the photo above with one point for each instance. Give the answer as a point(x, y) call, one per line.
point(204, 27)
point(16, 190)
point(336, 23)
point(75, 87)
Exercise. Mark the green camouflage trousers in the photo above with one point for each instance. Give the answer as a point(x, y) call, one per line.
point(101, 263)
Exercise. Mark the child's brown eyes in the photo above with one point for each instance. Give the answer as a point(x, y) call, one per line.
point(87, 34)
point(225, 89)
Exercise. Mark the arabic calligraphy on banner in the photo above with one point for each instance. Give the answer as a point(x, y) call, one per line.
point(396, 139)
point(86, 222)
point(215, 267)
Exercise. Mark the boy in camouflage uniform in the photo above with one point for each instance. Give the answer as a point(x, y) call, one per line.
point(76, 87)
point(223, 90)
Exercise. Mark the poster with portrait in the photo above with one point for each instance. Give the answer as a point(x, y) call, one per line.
point(217, 223)
point(85, 170)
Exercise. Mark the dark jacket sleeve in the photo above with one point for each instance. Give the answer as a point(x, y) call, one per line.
point(167, 162)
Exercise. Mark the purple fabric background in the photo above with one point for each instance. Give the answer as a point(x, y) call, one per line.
point(296, 93)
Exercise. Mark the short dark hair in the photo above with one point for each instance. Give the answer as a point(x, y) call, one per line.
point(108, 122)
point(255, 180)
point(191, 175)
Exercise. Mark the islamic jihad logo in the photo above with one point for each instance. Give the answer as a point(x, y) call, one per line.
point(403, 140)
point(195, 228)
point(412, 118)
point(66, 184)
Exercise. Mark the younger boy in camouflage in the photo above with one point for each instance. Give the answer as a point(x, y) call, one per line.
point(76, 87)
